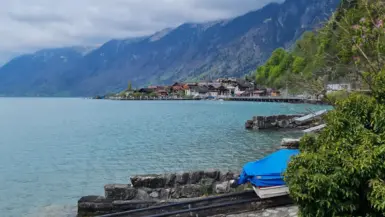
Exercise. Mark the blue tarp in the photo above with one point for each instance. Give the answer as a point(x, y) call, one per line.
point(268, 171)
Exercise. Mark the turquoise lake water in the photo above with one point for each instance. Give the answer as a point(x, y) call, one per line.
point(53, 151)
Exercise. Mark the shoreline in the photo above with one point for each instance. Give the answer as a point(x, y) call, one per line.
point(290, 100)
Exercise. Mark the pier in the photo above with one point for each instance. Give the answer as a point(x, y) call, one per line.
point(294, 100)
point(277, 99)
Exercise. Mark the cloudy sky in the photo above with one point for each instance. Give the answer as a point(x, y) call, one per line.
point(28, 25)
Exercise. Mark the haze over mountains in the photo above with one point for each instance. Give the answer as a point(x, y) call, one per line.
point(192, 51)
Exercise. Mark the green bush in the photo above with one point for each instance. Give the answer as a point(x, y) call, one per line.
point(335, 96)
point(341, 171)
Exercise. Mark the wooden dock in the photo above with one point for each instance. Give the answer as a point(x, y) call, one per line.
point(273, 99)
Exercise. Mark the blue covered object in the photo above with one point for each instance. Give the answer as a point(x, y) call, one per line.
point(268, 171)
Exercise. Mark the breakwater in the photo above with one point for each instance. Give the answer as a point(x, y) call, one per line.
point(297, 122)
point(271, 122)
point(150, 190)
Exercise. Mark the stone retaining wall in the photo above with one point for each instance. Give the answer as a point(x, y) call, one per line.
point(149, 190)
point(271, 122)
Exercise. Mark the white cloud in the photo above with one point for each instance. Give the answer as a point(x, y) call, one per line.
point(27, 25)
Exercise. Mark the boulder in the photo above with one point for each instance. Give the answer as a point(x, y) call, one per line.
point(120, 192)
point(164, 194)
point(213, 174)
point(182, 179)
point(170, 180)
point(227, 176)
point(142, 195)
point(149, 181)
point(249, 124)
point(154, 194)
point(223, 187)
point(283, 123)
point(196, 176)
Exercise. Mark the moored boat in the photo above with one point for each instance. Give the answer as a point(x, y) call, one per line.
point(266, 175)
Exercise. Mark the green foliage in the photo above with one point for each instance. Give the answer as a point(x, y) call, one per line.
point(276, 68)
point(335, 96)
point(299, 64)
point(285, 67)
point(153, 94)
point(129, 87)
point(137, 94)
point(341, 171)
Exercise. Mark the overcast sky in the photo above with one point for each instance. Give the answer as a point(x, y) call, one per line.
point(29, 25)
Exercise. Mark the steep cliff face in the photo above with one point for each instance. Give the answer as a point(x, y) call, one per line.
point(191, 51)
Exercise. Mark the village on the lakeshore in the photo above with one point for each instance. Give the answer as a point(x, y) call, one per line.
point(221, 88)
point(224, 87)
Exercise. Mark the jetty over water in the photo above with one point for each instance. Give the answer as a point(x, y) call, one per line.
point(273, 99)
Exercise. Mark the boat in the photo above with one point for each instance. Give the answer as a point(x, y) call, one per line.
point(309, 117)
point(315, 129)
point(266, 175)
point(269, 192)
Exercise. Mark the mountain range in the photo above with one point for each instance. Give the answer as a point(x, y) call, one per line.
point(191, 51)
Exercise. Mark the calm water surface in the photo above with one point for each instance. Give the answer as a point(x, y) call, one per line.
point(53, 151)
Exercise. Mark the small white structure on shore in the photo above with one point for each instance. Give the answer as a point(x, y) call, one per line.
point(309, 117)
point(337, 87)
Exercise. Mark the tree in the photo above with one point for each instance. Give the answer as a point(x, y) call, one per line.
point(341, 171)
point(137, 94)
point(284, 68)
point(129, 87)
point(275, 69)
point(152, 94)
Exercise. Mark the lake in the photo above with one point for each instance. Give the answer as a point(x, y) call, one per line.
point(53, 151)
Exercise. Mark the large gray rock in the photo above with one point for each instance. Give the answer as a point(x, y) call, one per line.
point(142, 195)
point(154, 194)
point(149, 181)
point(119, 192)
point(170, 180)
point(249, 124)
point(213, 174)
point(164, 194)
point(227, 176)
point(223, 187)
point(182, 179)
point(196, 176)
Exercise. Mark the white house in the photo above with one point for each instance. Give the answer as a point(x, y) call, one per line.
point(337, 87)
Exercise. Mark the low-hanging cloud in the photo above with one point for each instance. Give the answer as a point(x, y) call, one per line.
point(27, 25)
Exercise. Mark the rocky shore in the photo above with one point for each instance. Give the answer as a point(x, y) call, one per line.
point(150, 190)
point(286, 122)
